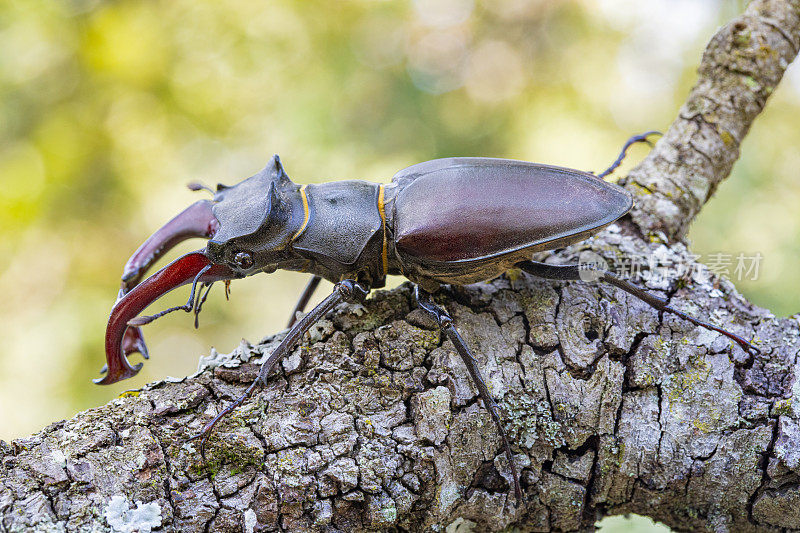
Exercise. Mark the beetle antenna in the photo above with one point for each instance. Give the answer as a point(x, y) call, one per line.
point(643, 138)
point(188, 306)
point(197, 186)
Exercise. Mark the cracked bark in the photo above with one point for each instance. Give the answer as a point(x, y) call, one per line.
point(372, 423)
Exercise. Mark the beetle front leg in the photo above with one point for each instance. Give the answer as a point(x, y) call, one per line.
point(305, 296)
point(445, 323)
point(344, 291)
point(582, 272)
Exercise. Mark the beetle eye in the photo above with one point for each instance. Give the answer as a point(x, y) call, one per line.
point(243, 260)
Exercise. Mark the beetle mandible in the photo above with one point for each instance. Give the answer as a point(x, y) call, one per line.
point(456, 221)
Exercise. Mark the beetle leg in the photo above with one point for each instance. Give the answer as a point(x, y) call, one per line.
point(190, 305)
point(199, 305)
point(643, 138)
point(345, 291)
point(580, 272)
point(445, 323)
point(306, 295)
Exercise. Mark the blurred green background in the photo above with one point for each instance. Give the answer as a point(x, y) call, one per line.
point(107, 110)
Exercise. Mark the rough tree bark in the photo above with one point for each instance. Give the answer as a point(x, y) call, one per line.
point(373, 424)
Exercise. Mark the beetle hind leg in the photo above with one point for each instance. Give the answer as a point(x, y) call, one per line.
point(445, 323)
point(587, 273)
point(642, 138)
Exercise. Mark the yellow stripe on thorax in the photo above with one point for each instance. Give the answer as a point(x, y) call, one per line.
point(305, 212)
point(385, 253)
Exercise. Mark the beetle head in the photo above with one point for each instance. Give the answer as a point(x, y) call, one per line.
point(249, 227)
point(254, 219)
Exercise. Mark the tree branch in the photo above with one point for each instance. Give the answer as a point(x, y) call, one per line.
point(741, 67)
point(373, 424)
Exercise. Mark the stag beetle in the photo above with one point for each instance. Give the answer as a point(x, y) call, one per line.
point(448, 221)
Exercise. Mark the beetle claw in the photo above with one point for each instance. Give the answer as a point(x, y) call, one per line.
point(193, 266)
point(133, 342)
point(124, 372)
point(123, 339)
point(197, 220)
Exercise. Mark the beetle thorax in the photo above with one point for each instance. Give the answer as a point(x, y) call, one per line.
point(342, 234)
